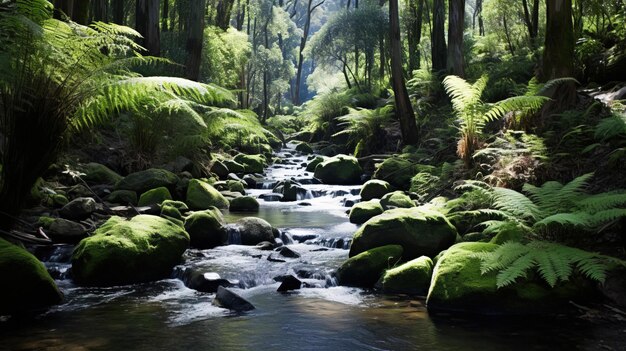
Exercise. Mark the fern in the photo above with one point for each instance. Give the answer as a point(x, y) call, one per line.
point(553, 262)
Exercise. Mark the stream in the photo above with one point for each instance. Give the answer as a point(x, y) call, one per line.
point(166, 315)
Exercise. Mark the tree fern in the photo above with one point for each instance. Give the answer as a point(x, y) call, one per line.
point(553, 262)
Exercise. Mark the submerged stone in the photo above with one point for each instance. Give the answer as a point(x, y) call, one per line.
point(244, 204)
point(226, 298)
point(364, 269)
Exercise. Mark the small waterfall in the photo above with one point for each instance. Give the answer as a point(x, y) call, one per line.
point(268, 185)
point(286, 238)
point(234, 235)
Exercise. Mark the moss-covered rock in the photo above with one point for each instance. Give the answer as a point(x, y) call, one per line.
point(413, 277)
point(171, 209)
point(252, 163)
point(121, 251)
point(220, 169)
point(26, 282)
point(398, 171)
point(154, 196)
point(244, 204)
point(421, 232)
point(59, 200)
point(458, 285)
point(236, 186)
point(341, 170)
point(206, 228)
point(363, 211)
point(234, 166)
point(396, 199)
point(143, 181)
point(364, 269)
point(123, 197)
point(96, 173)
point(304, 148)
point(179, 205)
point(313, 164)
point(201, 195)
point(374, 189)
point(79, 208)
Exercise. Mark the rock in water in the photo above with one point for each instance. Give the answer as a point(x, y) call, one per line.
point(64, 231)
point(201, 195)
point(244, 204)
point(289, 283)
point(304, 148)
point(26, 282)
point(225, 298)
point(364, 269)
point(143, 181)
point(313, 164)
point(374, 189)
point(287, 252)
point(203, 282)
point(363, 211)
point(79, 208)
point(340, 170)
point(154, 196)
point(121, 251)
point(254, 230)
point(420, 231)
point(412, 277)
point(396, 199)
point(220, 169)
point(458, 285)
point(251, 163)
point(206, 229)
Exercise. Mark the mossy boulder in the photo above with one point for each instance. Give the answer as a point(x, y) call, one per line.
point(201, 195)
point(154, 196)
point(96, 173)
point(124, 197)
point(59, 200)
point(234, 166)
point(27, 283)
point(179, 205)
point(420, 231)
point(304, 148)
point(252, 163)
point(364, 269)
point(458, 285)
point(79, 208)
point(143, 181)
point(236, 186)
point(396, 199)
point(254, 230)
point(171, 209)
point(220, 169)
point(412, 277)
point(374, 189)
point(341, 170)
point(244, 204)
point(398, 171)
point(121, 251)
point(206, 228)
point(313, 164)
point(363, 211)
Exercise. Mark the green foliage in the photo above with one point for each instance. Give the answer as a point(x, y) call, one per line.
point(365, 129)
point(555, 263)
point(224, 56)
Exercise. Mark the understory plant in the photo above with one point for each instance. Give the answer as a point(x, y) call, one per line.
point(365, 129)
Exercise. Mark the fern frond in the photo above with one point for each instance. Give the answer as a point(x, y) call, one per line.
point(602, 201)
point(463, 94)
point(517, 204)
point(522, 104)
point(577, 219)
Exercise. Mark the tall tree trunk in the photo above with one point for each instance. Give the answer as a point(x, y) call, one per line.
point(81, 12)
point(404, 110)
point(147, 24)
point(224, 10)
point(63, 7)
point(118, 11)
point(165, 16)
point(101, 10)
point(414, 33)
point(456, 25)
point(558, 56)
point(438, 37)
point(305, 36)
point(531, 18)
point(195, 34)
point(478, 14)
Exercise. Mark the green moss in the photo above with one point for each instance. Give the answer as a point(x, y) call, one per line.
point(244, 203)
point(26, 282)
point(398, 171)
point(363, 211)
point(418, 230)
point(201, 195)
point(206, 228)
point(122, 197)
point(146, 180)
point(234, 166)
point(397, 199)
point(179, 205)
point(341, 170)
point(412, 277)
point(252, 163)
point(100, 174)
point(121, 251)
point(365, 269)
point(374, 189)
point(171, 212)
point(45, 221)
point(60, 200)
point(236, 186)
point(313, 164)
point(506, 235)
point(154, 196)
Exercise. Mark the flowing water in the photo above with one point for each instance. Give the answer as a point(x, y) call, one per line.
point(166, 315)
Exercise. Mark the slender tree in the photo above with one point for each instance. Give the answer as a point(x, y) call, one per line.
point(531, 19)
point(404, 110)
point(224, 10)
point(456, 25)
point(65, 7)
point(101, 10)
point(147, 23)
point(414, 32)
point(305, 37)
point(118, 11)
point(438, 37)
point(80, 14)
point(195, 34)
